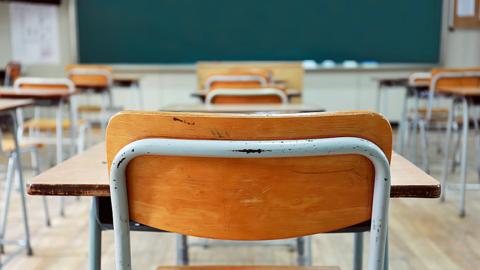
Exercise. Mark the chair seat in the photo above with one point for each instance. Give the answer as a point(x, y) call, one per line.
point(247, 268)
point(50, 124)
point(89, 109)
point(8, 145)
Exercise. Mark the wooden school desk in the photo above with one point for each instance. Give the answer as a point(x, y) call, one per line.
point(8, 107)
point(87, 175)
point(243, 108)
point(291, 93)
point(51, 98)
point(464, 96)
point(413, 88)
point(129, 81)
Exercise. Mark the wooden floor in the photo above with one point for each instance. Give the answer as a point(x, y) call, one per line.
point(424, 234)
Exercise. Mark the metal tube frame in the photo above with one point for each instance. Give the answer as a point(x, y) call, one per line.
point(246, 92)
point(234, 78)
point(228, 149)
point(24, 244)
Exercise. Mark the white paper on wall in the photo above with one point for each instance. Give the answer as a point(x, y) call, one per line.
point(465, 8)
point(34, 32)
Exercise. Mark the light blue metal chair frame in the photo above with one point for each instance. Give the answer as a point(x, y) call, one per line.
point(58, 118)
point(23, 244)
point(377, 258)
point(465, 102)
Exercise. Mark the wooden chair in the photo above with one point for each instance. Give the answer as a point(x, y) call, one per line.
point(249, 177)
point(40, 128)
point(12, 72)
point(244, 86)
point(96, 79)
point(463, 80)
point(7, 151)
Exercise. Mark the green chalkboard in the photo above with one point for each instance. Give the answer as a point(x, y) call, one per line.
point(186, 31)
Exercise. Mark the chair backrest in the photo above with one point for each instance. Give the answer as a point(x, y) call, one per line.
point(248, 198)
point(237, 79)
point(246, 96)
point(12, 72)
point(441, 78)
point(290, 73)
point(468, 77)
point(31, 83)
point(90, 76)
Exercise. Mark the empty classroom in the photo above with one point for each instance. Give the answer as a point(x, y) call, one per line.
point(259, 135)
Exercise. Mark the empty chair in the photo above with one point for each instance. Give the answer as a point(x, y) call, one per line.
point(40, 128)
point(254, 178)
point(94, 79)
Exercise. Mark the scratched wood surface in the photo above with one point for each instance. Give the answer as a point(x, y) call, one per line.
point(86, 175)
point(249, 198)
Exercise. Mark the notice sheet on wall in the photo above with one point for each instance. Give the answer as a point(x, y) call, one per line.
point(34, 32)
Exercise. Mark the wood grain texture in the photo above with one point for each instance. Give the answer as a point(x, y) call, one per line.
point(86, 175)
point(458, 84)
point(248, 199)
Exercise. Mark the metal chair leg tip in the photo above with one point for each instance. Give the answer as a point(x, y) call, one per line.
point(462, 214)
point(29, 251)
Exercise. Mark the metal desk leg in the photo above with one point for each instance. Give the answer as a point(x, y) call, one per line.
point(11, 167)
point(413, 153)
point(139, 95)
point(95, 235)
point(301, 251)
point(59, 146)
point(73, 126)
point(358, 251)
point(182, 250)
point(21, 183)
point(403, 126)
point(379, 98)
point(463, 172)
point(386, 263)
point(446, 151)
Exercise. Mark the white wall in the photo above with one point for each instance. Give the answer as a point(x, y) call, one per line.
point(64, 43)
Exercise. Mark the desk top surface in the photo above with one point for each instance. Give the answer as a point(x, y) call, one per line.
point(244, 108)
point(86, 175)
point(9, 92)
point(401, 81)
point(9, 104)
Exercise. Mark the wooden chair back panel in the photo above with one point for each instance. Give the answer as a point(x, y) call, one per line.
point(248, 199)
point(290, 72)
point(457, 82)
point(30, 86)
point(264, 99)
point(89, 80)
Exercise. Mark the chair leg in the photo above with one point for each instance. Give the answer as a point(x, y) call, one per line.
point(424, 146)
point(446, 152)
point(36, 170)
point(182, 250)
point(464, 160)
point(6, 198)
point(301, 251)
point(357, 251)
